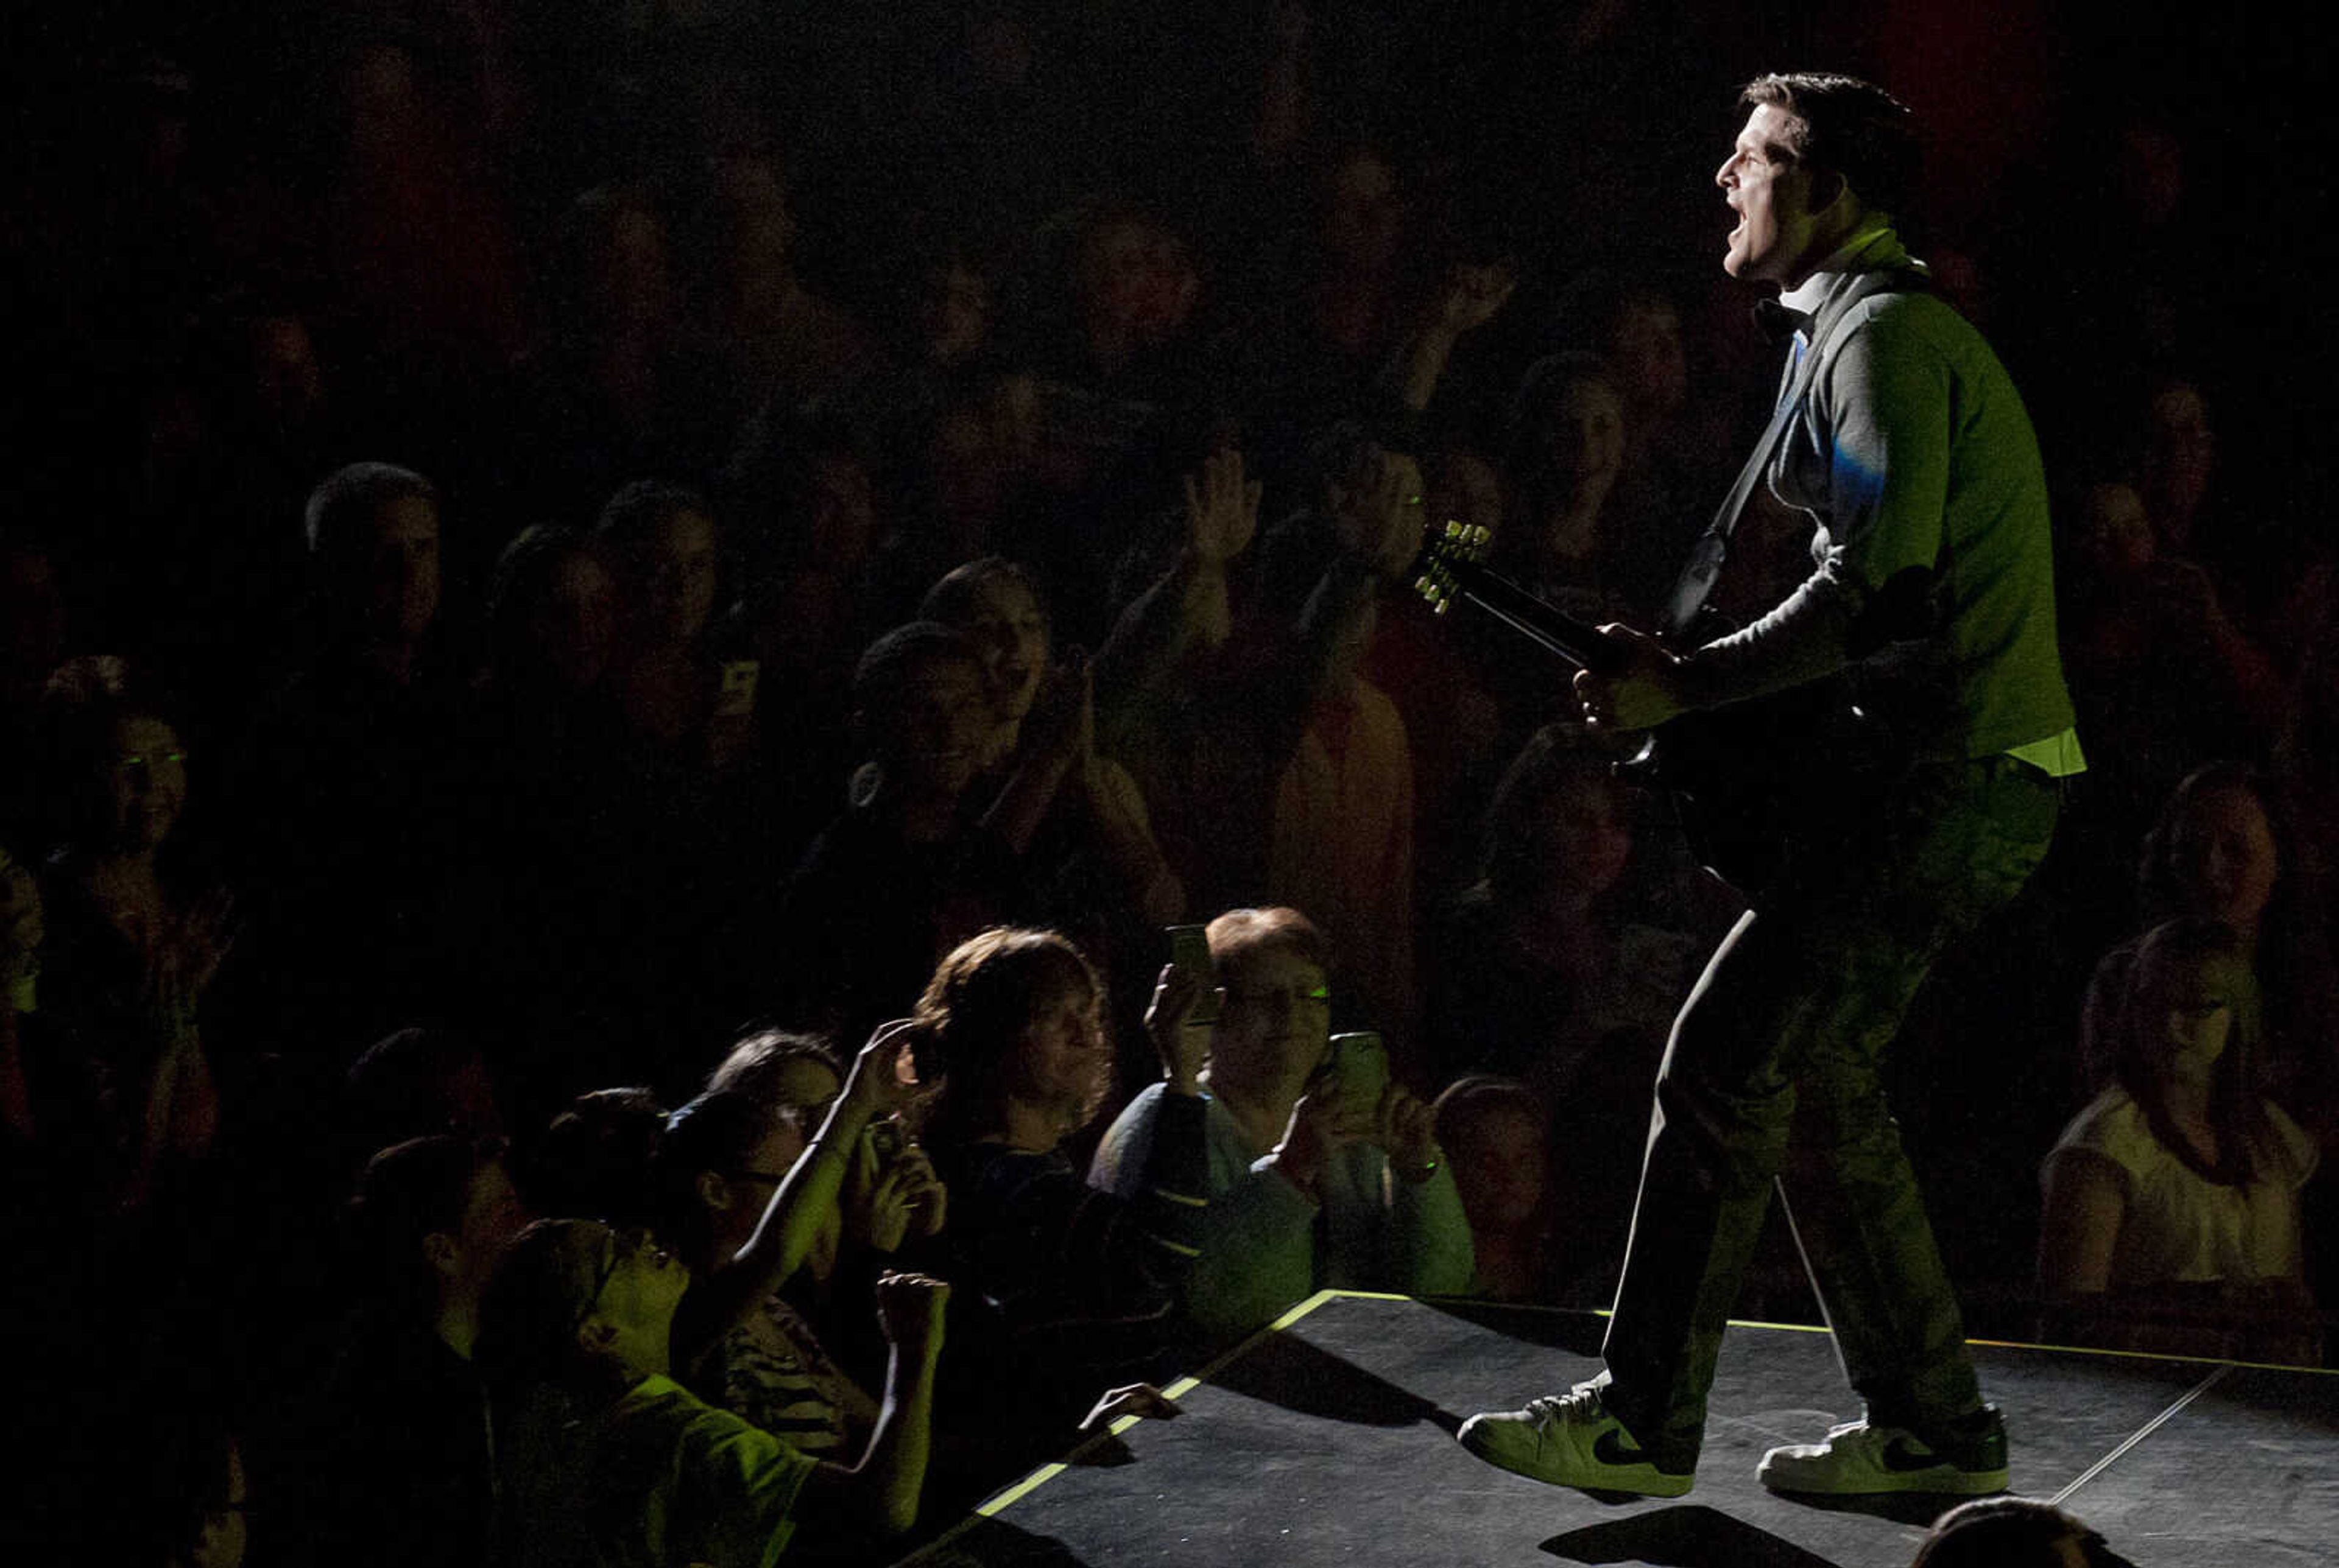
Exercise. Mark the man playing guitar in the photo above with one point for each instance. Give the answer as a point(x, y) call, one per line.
point(1932, 598)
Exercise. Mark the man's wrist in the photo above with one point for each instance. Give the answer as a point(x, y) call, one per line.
point(1687, 681)
point(1195, 563)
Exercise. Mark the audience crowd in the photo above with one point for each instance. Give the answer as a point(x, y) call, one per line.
point(624, 626)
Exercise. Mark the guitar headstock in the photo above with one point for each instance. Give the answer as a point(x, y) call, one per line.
point(1445, 547)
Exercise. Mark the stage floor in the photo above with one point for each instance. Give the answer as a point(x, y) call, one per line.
point(1329, 1439)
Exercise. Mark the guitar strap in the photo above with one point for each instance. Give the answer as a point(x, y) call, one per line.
point(1696, 583)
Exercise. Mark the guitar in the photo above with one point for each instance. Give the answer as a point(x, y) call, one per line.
point(1737, 776)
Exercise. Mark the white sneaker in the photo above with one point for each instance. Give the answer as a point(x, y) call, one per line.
point(1858, 1459)
point(1569, 1439)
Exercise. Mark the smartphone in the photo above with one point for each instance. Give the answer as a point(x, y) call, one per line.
point(1190, 950)
point(1361, 1059)
point(735, 699)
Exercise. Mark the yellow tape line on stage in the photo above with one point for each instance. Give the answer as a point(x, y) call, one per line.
point(1021, 1489)
point(998, 1502)
point(1179, 1389)
point(1321, 1297)
point(2155, 1356)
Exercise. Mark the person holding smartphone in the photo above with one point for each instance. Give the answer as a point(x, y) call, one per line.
point(1293, 1141)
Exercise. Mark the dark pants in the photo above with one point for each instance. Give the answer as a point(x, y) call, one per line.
point(1771, 1077)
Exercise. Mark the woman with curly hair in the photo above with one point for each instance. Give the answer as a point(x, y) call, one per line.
point(132, 940)
point(1080, 1289)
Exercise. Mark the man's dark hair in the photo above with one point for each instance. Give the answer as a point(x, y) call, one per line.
point(408, 1191)
point(952, 601)
point(759, 1059)
point(2010, 1533)
point(630, 520)
point(718, 1131)
point(887, 665)
point(344, 505)
point(1844, 125)
point(595, 1160)
point(400, 1088)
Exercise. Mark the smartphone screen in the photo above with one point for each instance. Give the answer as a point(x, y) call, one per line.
point(737, 696)
point(1361, 1059)
point(1190, 950)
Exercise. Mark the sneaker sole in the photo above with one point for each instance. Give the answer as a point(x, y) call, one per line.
point(1646, 1480)
point(1944, 1481)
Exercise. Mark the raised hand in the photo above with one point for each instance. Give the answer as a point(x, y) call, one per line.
point(1474, 294)
point(903, 1195)
point(1221, 509)
point(1184, 1045)
point(910, 1310)
point(203, 937)
point(1407, 1131)
point(185, 955)
point(1063, 720)
point(1320, 1127)
point(922, 1192)
point(874, 1084)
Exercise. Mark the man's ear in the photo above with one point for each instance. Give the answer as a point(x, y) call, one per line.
point(444, 1255)
point(1827, 188)
point(597, 1336)
point(713, 1191)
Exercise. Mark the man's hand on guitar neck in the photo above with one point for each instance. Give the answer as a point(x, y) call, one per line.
point(1642, 695)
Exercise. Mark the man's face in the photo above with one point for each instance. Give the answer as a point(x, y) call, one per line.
point(1647, 349)
point(492, 1216)
point(2115, 537)
point(680, 592)
point(1586, 838)
point(1468, 488)
point(843, 513)
point(1011, 635)
point(146, 781)
point(641, 1285)
point(574, 624)
point(1586, 439)
point(402, 568)
point(938, 726)
point(1769, 190)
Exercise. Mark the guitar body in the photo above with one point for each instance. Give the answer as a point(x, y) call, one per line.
point(1747, 780)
